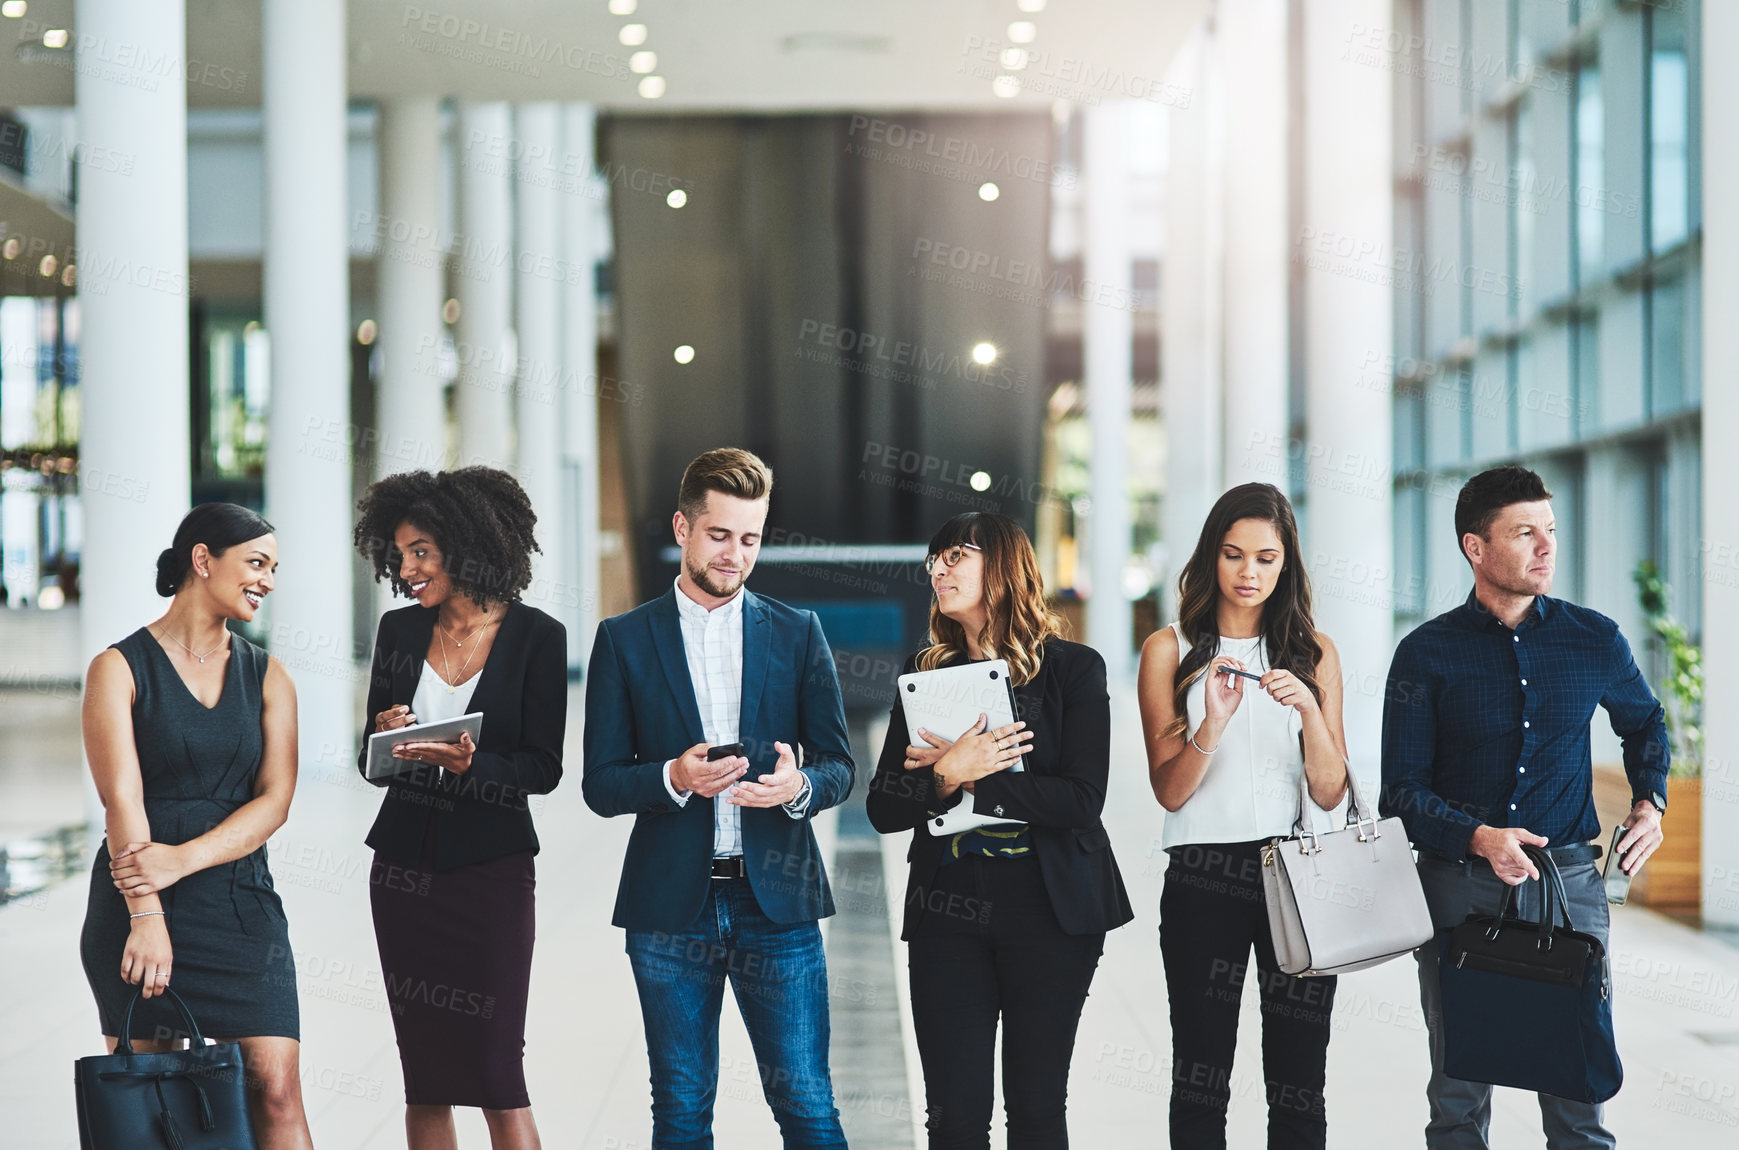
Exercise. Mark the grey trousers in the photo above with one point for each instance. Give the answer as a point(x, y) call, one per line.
point(1461, 1111)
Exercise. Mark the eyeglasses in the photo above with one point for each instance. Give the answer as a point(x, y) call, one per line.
point(949, 557)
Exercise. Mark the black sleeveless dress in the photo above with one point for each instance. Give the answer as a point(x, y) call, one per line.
point(232, 960)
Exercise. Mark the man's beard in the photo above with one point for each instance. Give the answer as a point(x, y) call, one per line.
point(704, 579)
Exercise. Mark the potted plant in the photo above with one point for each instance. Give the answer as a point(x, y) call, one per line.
point(1675, 872)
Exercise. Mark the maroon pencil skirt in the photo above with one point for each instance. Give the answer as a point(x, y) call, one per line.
point(455, 954)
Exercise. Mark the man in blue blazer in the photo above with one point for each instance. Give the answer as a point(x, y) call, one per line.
point(723, 879)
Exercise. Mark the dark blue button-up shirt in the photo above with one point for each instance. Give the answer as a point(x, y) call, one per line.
point(1483, 724)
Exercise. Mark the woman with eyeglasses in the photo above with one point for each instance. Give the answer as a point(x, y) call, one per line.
point(1007, 921)
point(1239, 698)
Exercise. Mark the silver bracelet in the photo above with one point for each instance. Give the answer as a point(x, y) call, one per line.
point(145, 914)
point(1198, 746)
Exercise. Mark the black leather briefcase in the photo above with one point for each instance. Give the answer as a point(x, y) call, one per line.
point(193, 1099)
point(1529, 1004)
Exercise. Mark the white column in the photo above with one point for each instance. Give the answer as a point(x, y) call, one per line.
point(486, 343)
point(307, 313)
point(133, 299)
point(1720, 555)
point(537, 394)
point(584, 217)
point(1349, 541)
point(1189, 333)
point(1252, 35)
point(410, 409)
point(1106, 355)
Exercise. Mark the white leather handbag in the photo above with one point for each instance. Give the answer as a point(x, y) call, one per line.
point(1344, 900)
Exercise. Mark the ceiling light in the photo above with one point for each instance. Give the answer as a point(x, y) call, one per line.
point(54, 38)
point(1020, 32)
point(980, 481)
point(684, 354)
point(13, 8)
point(641, 63)
point(1014, 59)
point(652, 87)
point(626, 7)
point(365, 332)
point(633, 35)
point(988, 192)
point(1030, 5)
point(676, 198)
point(1006, 86)
point(11, 248)
point(984, 353)
point(48, 266)
point(69, 276)
point(450, 311)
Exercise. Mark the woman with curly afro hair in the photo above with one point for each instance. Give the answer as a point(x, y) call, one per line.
point(452, 884)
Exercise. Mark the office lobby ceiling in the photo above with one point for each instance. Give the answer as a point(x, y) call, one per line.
point(750, 55)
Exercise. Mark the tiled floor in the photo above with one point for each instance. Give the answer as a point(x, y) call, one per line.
point(1677, 998)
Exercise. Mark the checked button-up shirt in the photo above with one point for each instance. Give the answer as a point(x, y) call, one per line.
point(1484, 724)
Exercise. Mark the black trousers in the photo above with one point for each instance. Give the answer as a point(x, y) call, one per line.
point(990, 945)
point(1211, 914)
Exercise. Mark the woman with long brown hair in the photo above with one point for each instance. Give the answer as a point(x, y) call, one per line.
point(1239, 697)
point(1007, 921)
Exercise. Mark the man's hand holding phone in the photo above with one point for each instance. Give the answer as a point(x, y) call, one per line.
point(707, 770)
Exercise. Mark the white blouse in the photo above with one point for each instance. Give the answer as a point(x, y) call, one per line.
point(433, 703)
point(1250, 790)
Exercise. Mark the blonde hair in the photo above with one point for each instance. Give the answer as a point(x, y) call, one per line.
point(1017, 618)
point(726, 470)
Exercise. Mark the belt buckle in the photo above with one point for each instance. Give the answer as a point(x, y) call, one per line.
point(730, 866)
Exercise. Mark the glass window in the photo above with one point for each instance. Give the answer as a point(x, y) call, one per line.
point(18, 373)
point(1668, 129)
point(1666, 337)
point(1589, 161)
point(1522, 216)
point(237, 355)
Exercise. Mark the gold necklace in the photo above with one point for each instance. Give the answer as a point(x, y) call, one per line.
point(460, 642)
point(447, 669)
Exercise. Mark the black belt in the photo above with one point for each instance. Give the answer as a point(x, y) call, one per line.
point(730, 867)
point(1563, 856)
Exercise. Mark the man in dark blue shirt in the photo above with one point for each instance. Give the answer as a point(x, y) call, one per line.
point(1486, 747)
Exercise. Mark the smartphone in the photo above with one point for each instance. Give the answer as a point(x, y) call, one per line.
point(723, 751)
point(1617, 882)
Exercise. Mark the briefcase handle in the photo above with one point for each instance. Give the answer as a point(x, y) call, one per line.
point(1554, 902)
point(124, 1045)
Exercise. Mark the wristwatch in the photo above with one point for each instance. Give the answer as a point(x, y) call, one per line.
point(1659, 800)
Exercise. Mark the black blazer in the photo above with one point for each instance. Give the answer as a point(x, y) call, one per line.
point(438, 824)
point(1060, 794)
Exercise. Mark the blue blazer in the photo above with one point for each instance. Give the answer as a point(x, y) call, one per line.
point(641, 713)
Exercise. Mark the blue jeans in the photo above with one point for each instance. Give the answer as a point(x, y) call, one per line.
point(1461, 1111)
point(779, 975)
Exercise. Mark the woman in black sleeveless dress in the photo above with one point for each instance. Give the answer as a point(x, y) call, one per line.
point(190, 731)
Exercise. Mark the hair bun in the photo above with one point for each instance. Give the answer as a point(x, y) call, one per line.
point(172, 568)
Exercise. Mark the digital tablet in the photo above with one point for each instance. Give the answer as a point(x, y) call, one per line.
point(947, 702)
point(382, 765)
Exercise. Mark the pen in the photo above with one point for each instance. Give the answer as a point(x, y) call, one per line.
point(1246, 674)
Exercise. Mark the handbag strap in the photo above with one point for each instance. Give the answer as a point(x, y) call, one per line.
point(124, 1045)
point(1357, 811)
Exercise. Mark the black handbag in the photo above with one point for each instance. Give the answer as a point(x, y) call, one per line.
point(1529, 1004)
point(193, 1099)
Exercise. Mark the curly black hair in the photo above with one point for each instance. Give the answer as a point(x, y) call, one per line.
point(480, 518)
